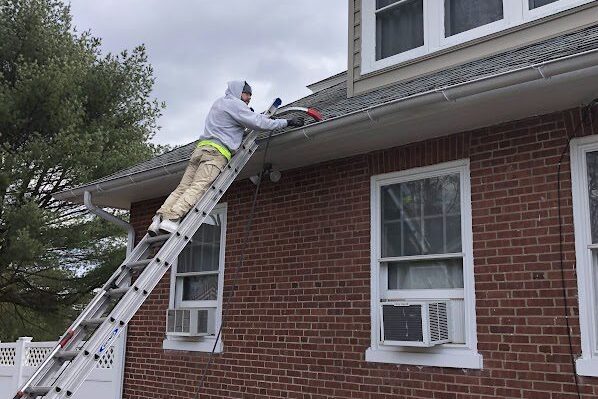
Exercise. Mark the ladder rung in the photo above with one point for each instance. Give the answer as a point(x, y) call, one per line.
point(158, 238)
point(66, 355)
point(93, 322)
point(39, 390)
point(116, 292)
point(140, 264)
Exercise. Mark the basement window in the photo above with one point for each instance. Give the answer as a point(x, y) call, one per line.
point(197, 280)
point(422, 253)
point(584, 180)
point(394, 31)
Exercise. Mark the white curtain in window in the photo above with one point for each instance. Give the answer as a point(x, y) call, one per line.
point(400, 28)
point(426, 274)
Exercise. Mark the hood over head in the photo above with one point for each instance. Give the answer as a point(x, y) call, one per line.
point(235, 88)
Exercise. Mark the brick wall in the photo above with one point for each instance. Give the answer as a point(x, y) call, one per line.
point(299, 323)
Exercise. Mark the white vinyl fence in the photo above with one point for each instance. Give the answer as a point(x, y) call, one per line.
point(20, 359)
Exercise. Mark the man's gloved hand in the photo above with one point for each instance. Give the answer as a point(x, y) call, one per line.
point(296, 122)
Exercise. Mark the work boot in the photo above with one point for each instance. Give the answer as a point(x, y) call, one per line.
point(154, 228)
point(170, 225)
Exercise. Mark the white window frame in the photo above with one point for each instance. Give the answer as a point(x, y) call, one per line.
point(447, 355)
point(199, 344)
point(587, 365)
point(515, 12)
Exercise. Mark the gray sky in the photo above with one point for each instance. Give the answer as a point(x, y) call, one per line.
point(196, 46)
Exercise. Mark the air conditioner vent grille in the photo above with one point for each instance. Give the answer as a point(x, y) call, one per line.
point(438, 321)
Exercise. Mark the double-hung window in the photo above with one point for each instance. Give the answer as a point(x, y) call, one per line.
point(394, 31)
point(584, 179)
point(422, 251)
point(197, 279)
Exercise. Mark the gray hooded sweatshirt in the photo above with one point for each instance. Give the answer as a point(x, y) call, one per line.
point(229, 116)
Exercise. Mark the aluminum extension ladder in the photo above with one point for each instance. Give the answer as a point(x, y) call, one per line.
point(67, 366)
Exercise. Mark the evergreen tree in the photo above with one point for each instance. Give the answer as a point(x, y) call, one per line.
point(68, 115)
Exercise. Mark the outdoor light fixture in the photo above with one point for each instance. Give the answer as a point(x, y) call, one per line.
point(272, 173)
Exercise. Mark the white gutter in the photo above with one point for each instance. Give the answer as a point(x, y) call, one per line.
point(544, 70)
point(122, 341)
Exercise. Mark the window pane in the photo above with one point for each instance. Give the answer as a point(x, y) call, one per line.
point(539, 3)
point(399, 29)
point(463, 15)
point(203, 253)
point(426, 274)
point(421, 217)
point(200, 288)
point(592, 162)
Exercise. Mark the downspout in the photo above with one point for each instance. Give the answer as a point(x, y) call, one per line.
point(112, 219)
point(130, 244)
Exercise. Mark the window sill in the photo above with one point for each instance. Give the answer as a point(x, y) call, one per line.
point(445, 357)
point(587, 367)
point(205, 344)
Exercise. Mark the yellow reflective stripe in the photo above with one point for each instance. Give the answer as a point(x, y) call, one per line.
point(222, 149)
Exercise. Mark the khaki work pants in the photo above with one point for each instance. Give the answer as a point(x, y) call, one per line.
point(204, 166)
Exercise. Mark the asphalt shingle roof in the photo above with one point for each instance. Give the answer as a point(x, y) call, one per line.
point(333, 102)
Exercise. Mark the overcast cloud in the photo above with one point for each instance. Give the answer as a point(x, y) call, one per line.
point(196, 46)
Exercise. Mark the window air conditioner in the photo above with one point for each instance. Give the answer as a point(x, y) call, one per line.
point(190, 322)
point(414, 323)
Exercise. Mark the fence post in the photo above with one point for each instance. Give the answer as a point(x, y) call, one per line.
point(20, 360)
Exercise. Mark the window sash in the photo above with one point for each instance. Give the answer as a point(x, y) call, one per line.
point(410, 206)
point(450, 27)
point(426, 275)
point(399, 38)
point(180, 303)
point(383, 262)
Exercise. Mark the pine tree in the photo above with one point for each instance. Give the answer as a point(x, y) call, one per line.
point(68, 115)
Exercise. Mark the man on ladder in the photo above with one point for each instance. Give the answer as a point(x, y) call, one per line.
point(224, 128)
